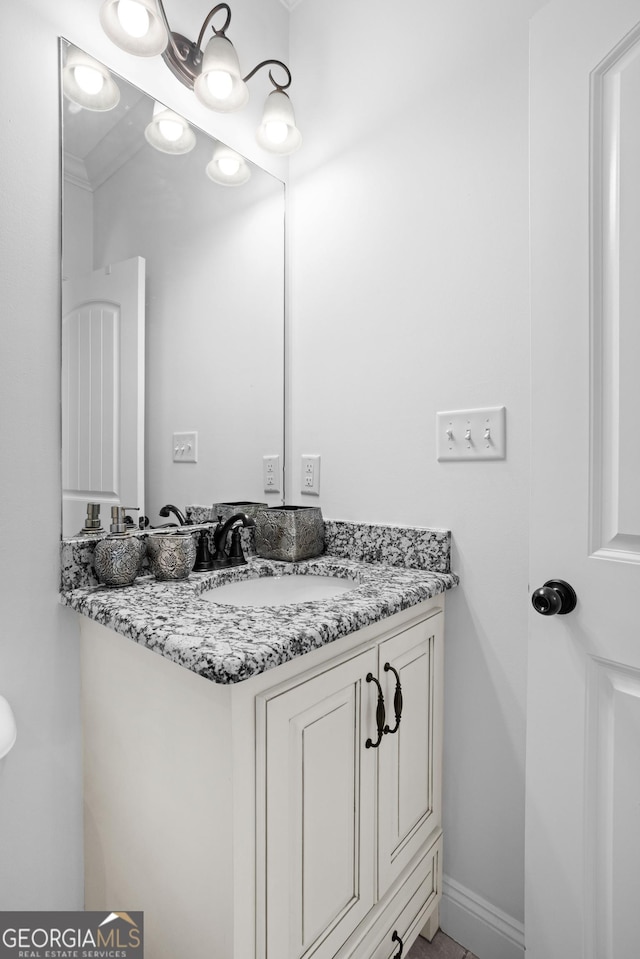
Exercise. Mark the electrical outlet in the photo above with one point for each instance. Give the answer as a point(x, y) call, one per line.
point(185, 447)
point(471, 434)
point(310, 475)
point(271, 473)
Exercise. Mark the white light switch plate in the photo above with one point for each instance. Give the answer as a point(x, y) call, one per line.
point(185, 447)
point(471, 434)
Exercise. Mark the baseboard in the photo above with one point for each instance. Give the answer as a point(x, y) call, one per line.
point(478, 925)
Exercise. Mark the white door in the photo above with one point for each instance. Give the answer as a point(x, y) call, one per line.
point(583, 749)
point(103, 337)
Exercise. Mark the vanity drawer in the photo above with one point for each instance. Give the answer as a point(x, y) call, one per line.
point(409, 908)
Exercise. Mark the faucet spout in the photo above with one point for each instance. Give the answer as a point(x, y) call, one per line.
point(179, 515)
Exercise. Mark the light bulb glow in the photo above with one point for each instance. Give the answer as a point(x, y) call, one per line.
point(171, 130)
point(276, 131)
point(220, 84)
point(134, 18)
point(89, 79)
point(229, 165)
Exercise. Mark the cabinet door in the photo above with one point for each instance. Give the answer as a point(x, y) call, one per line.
point(320, 808)
point(410, 759)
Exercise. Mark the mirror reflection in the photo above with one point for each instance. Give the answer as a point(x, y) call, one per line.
point(172, 306)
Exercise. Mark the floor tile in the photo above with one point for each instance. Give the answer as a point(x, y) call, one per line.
point(441, 947)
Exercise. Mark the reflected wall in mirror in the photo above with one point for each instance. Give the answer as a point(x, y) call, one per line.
point(173, 315)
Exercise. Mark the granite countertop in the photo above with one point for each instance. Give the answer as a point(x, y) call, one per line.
point(228, 644)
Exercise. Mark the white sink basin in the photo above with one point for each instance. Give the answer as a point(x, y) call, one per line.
point(278, 590)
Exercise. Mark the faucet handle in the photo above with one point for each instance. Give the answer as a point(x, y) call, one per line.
point(219, 536)
point(236, 556)
point(204, 559)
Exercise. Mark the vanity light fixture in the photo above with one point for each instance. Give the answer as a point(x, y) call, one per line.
point(141, 27)
point(88, 83)
point(169, 132)
point(227, 167)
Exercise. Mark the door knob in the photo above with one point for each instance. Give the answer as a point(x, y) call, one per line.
point(555, 596)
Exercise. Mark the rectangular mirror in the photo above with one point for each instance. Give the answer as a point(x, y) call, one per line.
point(172, 308)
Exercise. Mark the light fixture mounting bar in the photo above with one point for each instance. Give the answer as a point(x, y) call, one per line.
point(184, 57)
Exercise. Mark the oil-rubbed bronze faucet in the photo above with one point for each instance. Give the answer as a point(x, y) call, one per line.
point(235, 556)
point(179, 515)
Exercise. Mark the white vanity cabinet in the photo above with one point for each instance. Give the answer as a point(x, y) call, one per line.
point(344, 820)
point(251, 821)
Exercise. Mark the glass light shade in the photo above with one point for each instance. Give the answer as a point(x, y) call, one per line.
point(88, 83)
point(220, 85)
point(8, 730)
point(278, 132)
point(134, 18)
point(126, 26)
point(227, 167)
point(169, 132)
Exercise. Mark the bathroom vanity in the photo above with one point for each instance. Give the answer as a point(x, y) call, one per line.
point(243, 788)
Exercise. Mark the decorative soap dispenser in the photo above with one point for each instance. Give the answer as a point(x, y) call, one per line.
point(92, 522)
point(117, 557)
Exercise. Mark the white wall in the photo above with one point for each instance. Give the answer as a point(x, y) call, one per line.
point(409, 294)
point(40, 780)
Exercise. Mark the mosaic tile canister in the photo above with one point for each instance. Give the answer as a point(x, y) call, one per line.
point(289, 533)
point(118, 558)
point(171, 555)
point(248, 507)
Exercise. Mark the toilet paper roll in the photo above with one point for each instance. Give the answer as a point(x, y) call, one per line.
point(8, 730)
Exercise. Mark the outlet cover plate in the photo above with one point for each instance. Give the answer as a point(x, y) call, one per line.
point(310, 474)
point(471, 434)
point(271, 473)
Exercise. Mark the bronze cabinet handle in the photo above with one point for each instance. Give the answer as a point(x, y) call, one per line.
point(397, 699)
point(380, 714)
point(396, 938)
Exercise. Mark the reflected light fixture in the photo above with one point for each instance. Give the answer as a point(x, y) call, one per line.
point(227, 167)
point(169, 132)
point(141, 27)
point(88, 83)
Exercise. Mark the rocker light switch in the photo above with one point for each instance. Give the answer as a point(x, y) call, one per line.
point(471, 434)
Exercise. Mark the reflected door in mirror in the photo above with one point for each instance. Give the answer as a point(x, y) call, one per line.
point(102, 402)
